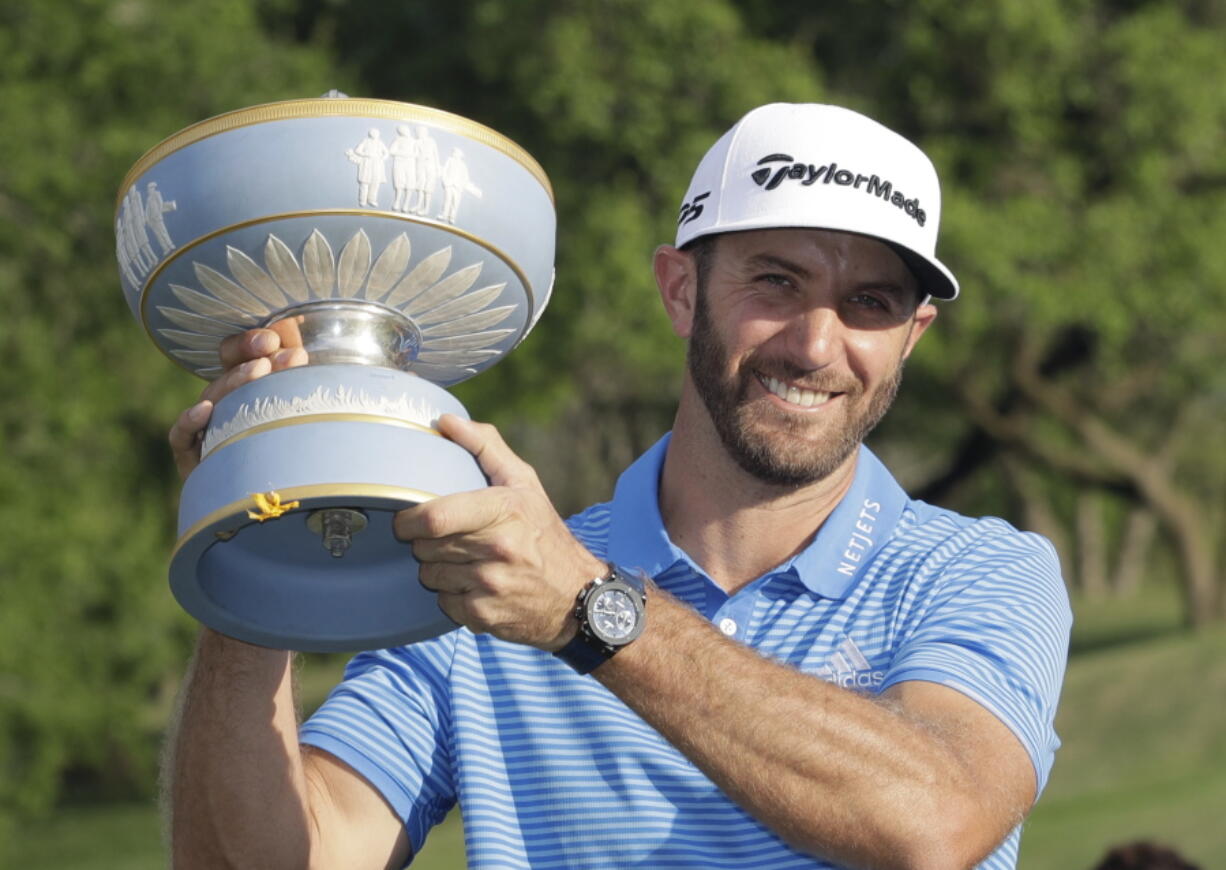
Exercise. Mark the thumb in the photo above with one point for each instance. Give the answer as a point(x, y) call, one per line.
point(499, 462)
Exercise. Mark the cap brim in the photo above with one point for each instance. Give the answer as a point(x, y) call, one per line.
point(934, 279)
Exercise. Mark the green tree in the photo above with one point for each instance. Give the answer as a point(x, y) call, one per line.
point(1084, 156)
point(91, 638)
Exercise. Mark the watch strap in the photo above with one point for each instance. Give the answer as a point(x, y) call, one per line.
point(585, 653)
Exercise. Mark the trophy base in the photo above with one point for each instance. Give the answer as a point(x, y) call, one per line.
point(286, 525)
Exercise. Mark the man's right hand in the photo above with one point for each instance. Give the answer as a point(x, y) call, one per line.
point(246, 357)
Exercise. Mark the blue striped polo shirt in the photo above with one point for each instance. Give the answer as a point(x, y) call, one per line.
point(553, 771)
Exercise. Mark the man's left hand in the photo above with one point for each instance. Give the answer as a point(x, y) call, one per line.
point(501, 559)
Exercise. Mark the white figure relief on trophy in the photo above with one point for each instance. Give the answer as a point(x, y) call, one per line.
point(427, 170)
point(370, 155)
point(124, 253)
point(456, 183)
point(155, 207)
point(417, 172)
point(404, 167)
point(136, 217)
point(457, 322)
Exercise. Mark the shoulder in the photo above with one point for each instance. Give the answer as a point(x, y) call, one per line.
point(950, 539)
point(940, 554)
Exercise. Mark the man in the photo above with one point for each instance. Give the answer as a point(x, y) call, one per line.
point(456, 183)
point(155, 207)
point(824, 672)
point(427, 170)
point(369, 155)
point(404, 167)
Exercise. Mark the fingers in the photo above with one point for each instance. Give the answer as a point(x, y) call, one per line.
point(446, 519)
point(452, 579)
point(248, 345)
point(288, 331)
point(499, 462)
point(246, 357)
point(266, 341)
point(185, 436)
point(235, 378)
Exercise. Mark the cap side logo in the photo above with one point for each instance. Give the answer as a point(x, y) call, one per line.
point(692, 209)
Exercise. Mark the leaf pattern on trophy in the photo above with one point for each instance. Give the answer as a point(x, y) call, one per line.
point(456, 357)
point(444, 291)
point(192, 340)
point(480, 320)
point(210, 373)
point(197, 357)
point(470, 341)
point(284, 269)
point(464, 305)
point(198, 323)
point(389, 267)
point(353, 265)
point(227, 291)
point(210, 306)
point(319, 265)
point(254, 279)
point(441, 374)
point(423, 275)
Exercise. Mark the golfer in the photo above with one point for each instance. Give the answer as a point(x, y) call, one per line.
point(760, 652)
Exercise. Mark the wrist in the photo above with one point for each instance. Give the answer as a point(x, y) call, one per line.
point(609, 613)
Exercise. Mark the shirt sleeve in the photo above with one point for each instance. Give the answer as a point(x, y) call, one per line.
point(389, 719)
point(996, 628)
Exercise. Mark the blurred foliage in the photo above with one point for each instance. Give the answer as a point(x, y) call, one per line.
point(1081, 144)
point(91, 638)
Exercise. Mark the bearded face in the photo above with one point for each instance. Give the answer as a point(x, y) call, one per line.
point(776, 446)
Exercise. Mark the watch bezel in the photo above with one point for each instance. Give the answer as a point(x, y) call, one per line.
point(616, 583)
point(587, 650)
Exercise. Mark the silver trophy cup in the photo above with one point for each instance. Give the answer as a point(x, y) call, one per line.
point(411, 249)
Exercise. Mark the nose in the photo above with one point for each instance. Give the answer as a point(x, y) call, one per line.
point(813, 337)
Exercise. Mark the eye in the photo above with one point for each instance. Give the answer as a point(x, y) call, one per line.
point(774, 279)
point(870, 302)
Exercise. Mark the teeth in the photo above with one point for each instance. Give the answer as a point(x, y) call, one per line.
point(794, 395)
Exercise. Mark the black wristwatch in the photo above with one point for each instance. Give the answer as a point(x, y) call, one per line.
point(611, 611)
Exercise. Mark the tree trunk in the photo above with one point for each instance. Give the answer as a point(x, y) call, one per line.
point(1037, 513)
point(1111, 459)
point(1135, 546)
point(1091, 545)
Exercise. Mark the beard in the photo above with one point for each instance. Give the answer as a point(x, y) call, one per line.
point(771, 445)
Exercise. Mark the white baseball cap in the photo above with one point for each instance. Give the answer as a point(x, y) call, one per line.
point(822, 167)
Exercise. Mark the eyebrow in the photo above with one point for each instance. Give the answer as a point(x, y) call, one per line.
point(760, 261)
point(774, 261)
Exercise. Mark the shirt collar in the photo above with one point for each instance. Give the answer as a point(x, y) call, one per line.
point(637, 538)
point(848, 540)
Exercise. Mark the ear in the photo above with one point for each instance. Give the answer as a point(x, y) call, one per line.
point(924, 315)
point(677, 278)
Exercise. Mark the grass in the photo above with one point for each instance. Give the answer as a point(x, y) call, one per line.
point(1144, 756)
point(127, 837)
point(1143, 720)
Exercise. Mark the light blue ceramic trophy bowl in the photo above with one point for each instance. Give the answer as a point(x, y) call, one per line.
point(412, 248)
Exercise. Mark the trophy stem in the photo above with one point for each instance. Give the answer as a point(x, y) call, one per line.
point(357, 333)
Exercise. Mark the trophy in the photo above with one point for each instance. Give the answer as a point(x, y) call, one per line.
point(411, 249)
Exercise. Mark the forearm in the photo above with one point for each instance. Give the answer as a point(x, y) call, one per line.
point(832, 772)
point(236, 782)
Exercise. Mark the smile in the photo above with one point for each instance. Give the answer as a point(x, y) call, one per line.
point(793, 395)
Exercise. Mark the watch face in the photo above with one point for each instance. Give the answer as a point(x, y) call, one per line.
point(612, 615)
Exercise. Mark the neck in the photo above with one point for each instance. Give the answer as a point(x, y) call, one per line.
point(734, 526)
